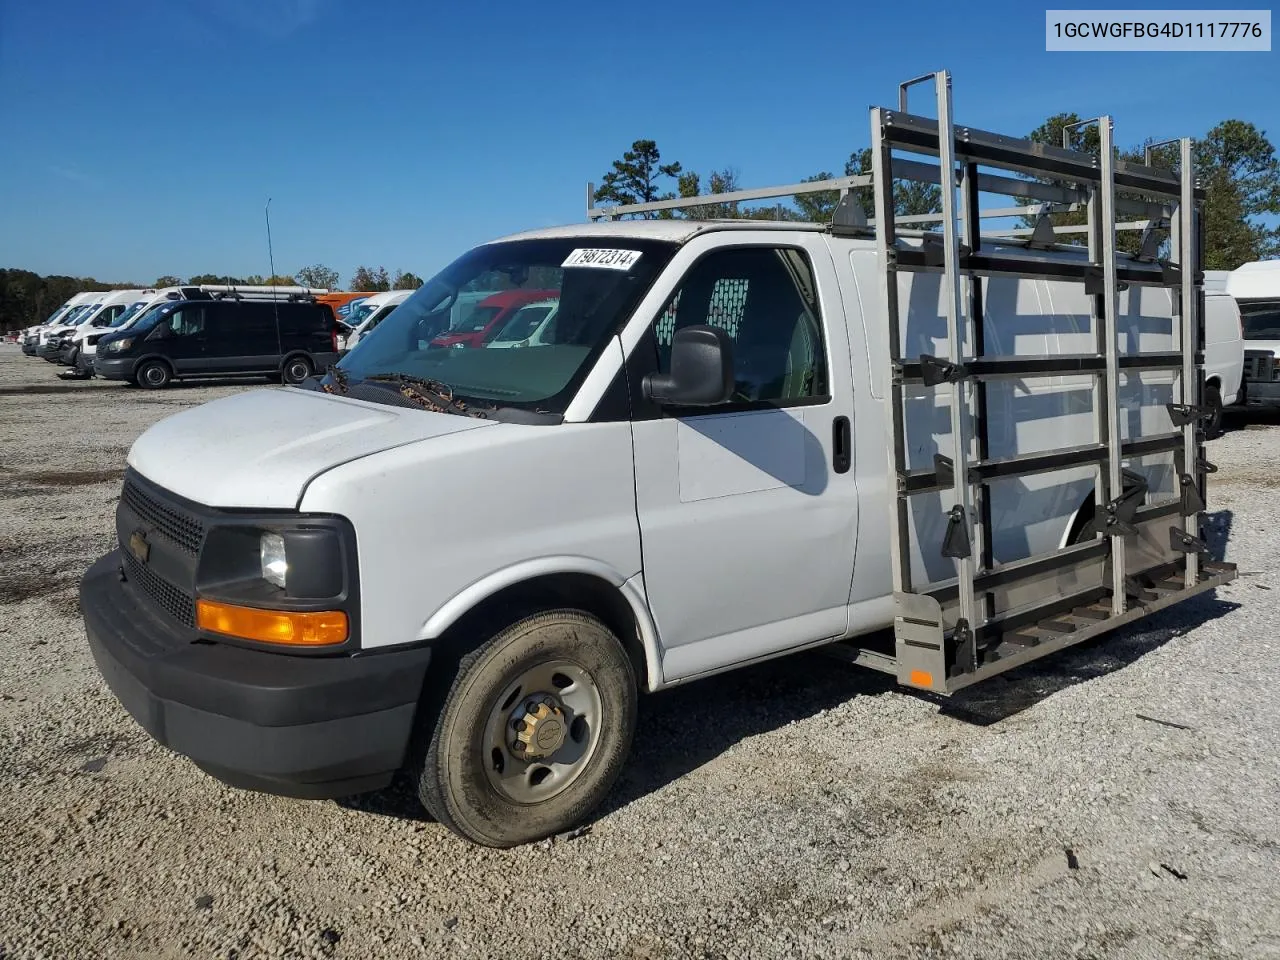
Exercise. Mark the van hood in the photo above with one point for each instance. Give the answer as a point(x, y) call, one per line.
point(260, 449)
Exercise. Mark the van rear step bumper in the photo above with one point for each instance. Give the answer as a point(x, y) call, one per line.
point(309, 727)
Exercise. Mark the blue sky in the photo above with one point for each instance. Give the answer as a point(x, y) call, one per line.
point(143, 137)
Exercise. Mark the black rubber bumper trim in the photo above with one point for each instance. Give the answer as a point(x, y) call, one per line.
point(109, 369)
point(299, 726)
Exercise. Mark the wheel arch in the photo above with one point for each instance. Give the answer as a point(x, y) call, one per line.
point(290, 354)
point(533, 586)
point(157, 358)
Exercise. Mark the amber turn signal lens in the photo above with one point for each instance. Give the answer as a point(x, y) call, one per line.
point(273, 626)
point(921, 678)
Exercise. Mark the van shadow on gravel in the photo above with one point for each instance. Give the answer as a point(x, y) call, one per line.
point(681, 729)
point(686, 727)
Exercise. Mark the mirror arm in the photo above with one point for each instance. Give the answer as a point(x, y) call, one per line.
point(658, 386)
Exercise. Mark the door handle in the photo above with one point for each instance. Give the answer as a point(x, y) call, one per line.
point(841, 445)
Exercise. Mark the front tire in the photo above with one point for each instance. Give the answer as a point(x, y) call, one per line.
point(153, 375)
point(533, 733)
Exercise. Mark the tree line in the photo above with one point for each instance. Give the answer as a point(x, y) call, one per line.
point(27, 298)
point(1236, 164)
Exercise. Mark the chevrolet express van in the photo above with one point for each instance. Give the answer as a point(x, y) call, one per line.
point(469, 563)
point(1256, 290)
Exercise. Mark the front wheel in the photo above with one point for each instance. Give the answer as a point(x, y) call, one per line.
point(533, 733)
point(153, 375)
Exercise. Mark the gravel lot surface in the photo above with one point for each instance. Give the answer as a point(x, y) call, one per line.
point(803, 808)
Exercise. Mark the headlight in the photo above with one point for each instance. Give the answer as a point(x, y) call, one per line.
point(117, 345)
point(275, 566)
point(93, 341)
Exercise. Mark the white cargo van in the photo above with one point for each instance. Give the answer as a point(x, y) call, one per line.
point(104, 313)
point(74, 308)
point(743, 439)
point(371, 312)
point(1223, 357)
point(531, 326)
point(1256, 289)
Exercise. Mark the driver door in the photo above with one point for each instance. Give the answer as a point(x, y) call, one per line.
point(748, 512)
point(185, 344)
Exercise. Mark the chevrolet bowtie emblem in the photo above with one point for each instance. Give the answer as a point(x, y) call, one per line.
point(138, 546)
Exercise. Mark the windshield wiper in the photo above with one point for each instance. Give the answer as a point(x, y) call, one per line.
point(340, 378)
point(433, 395)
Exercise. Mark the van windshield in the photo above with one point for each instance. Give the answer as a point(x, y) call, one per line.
point(130, 312)
point(151, 317)
point(1261, 319)
point(597, 282)
point(359, 315)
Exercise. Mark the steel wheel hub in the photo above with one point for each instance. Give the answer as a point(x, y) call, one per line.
point(539, 728)
point(542, 731)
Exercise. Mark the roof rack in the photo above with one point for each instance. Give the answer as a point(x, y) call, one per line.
point(991, 617)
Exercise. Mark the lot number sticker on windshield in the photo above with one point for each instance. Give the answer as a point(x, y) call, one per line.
point(605, 259)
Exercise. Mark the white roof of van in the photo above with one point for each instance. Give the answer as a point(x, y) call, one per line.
point(385, 296)
point(676, 231)
point(1254, 280)
point(125, 296)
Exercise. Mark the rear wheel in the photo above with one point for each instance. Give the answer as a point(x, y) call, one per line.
point(533, 733)
point(296, 369)
point(153, 374)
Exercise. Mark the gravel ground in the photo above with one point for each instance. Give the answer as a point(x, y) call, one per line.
point(803, 808)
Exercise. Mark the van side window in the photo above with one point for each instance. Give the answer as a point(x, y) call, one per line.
point(187, 322)
point(766, 300)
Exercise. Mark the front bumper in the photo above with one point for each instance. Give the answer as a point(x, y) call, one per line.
point(1262, 394)
point(299, 726)
point(109, 369)
point(84, 362)
point(50, 349)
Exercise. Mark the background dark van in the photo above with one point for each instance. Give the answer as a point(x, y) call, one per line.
point(284, 340)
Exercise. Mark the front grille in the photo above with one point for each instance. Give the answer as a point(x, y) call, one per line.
point(170, 599)
point(172, 522)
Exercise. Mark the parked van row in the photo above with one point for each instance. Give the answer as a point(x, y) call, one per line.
point(151, 337)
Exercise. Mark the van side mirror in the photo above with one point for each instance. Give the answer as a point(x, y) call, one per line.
point(701, 369)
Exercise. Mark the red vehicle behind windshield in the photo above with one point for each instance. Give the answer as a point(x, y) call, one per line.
point(489, 316)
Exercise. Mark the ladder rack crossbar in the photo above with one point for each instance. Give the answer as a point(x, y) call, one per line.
point(920, 134)
point(736, 196)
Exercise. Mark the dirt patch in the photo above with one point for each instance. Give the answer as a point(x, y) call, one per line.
point(42, 388)
point(16, 587)
point(38, 483)
point(72, 478)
